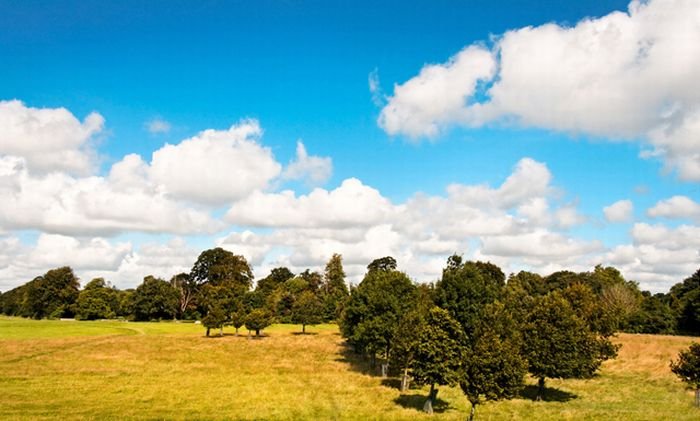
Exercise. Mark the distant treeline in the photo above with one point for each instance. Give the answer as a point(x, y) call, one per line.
point(219, 290)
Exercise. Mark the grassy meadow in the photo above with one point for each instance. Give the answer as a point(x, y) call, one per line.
point(117, 370)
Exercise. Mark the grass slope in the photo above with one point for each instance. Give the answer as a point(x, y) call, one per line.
point(115, 370)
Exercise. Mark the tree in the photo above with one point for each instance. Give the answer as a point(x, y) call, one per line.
point(187, 288)
point(403, 352)
point(221, 267)
point(384, 264)
point(215, 319)
point(238, 317)
point(686, 299)
point(465, 289)
point(653, 316)
point(335, 291)
point(371, 316)
point(687, 368)
point(439, 353)
point(155, 299)
point(51, 295)
point(493, 366)
point(258, 320)
point(277, 276)
point(558, 343)
point(307, 310)
point(98, 300)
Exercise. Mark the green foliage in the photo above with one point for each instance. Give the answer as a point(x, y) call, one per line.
point(466, 288)
point(687, 367)
point(307, 310)
point(559, 343)
point(50, 295)
point(654, 316)
point(384, 264)
point(686, 299)
point(335, 291)
point(97, 300)
point(371, 316)
point(277, 276)
point(187, 289)
point(214, 319)
point(258, 319)
point(440, 350)
point(408, 333)
point(221, 267)
point(155, 299)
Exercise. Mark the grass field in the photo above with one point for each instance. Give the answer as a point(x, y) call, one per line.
point(117, 370)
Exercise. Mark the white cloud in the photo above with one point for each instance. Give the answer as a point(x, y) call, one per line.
point(424, 105)
point(351, 204)
point(61, 204)
point(314, 170)
point(677, 207)
point(215, 166)
point(620, 211)
point(158, 126)
point(622, 76)
point(50, 139)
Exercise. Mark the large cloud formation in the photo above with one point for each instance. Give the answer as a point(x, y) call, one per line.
point(627, 75)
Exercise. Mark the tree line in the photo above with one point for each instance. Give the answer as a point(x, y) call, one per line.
point(218, 291)
point(473, 327)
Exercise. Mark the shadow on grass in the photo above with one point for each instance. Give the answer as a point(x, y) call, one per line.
point(304, 333)
point(549, 395)
point(392, 383)
point(417, 401)
point(356, 362)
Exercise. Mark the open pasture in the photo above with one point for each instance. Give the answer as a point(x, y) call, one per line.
point(116, 370)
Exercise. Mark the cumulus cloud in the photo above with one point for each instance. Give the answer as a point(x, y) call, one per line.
point(424, 105)
point(351, 204)
point(626, 75)
point(158, 126)
point(61, 204)
point(677, 207)
point(215, 166)
point(50, 139)
point(313, 170)
point(620, 211)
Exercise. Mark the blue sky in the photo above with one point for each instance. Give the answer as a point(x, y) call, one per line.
point(302, 69)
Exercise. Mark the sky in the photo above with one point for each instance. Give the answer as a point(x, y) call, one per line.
point(539, 135)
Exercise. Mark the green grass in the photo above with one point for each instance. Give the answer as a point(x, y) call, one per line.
point(118, 370)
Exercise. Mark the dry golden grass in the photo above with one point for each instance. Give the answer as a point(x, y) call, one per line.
point(171, 371)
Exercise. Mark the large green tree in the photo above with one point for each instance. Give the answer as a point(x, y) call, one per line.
point(98, 300)
point(51, 295)
point(439, 353)
point(187, 289)
point(155, 299)
point(559, 343)
point(685, 298)
point(370, 318)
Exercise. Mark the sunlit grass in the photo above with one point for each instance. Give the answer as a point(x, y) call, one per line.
point(116, 370)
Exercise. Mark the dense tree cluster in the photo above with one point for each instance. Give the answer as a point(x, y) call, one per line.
point(475, 329)
point(218, 290)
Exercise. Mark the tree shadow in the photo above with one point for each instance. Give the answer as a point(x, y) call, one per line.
point(391, 383)
point(304, 333)
point(417, 401)
point(549, 395)
point(356, 362)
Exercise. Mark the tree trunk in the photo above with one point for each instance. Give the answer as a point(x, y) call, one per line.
point(697, 398)
point(472, 412)
point(221, 331)
point(405, 380)
point(303, 328)
point(428, 406)
point(373, 360)
point(207, 332)
point(385, 370)
point(257, 332)
point(540, 389)
point(236, 331)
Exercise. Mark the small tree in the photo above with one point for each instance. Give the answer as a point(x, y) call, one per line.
point(307, 310)
point(439, 353)
point(258, 320)
point(238, 319)
point(215, 319)
point(688, 369)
